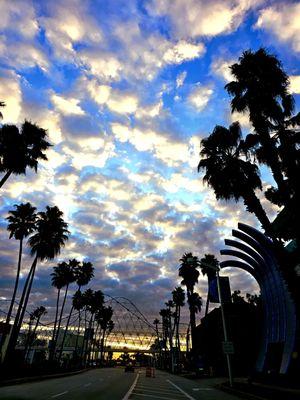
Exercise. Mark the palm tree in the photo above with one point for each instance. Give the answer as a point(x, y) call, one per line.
point(78, 305)
point(21, 149)
point(2, 104)
point(68, 276)
point(261, 87)
point(84, 273)
point(189, 272)
point(105, 319)
point(208, 259)
point(35, 315)
point(58, 282)
point(21, 223)
point(94, 306)
point(178, 297)
point(46, 243)
point(231, 176)
point(81, 273)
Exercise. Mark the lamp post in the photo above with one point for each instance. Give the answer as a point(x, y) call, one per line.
point(223, 319)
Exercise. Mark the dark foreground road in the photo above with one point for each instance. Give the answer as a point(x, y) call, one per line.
point(115, 384)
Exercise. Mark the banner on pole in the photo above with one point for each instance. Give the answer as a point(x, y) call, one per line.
point(225, 290)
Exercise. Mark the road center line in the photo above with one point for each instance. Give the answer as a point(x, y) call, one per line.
point(126, 397)
point(59, 394)
point(181, 390)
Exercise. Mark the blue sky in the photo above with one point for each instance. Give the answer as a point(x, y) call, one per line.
point(127, 89)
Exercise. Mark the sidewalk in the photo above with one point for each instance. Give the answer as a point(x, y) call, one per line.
point(253, 391)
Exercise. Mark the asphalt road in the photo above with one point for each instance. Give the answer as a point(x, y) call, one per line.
point(115, 384)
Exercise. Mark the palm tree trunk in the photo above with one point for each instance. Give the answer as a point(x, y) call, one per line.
point(16, 283)
point(78, 331)
point(192, 319)
point(14, 293)
point(64, 336)
point(207, 300)
point(253, 205)
point(102, 346)
point(60, 318)
point(20, 312)
point(177, 331)
point(28, 293)
point(5, 177)
point(54, 328)
point(32, 338)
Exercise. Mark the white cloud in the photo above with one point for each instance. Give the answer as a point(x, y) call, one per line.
point(117, 101)
point(67, 105)
point(295, 84)
point(221, 67)
point(19, 16)
point(102, 65)
point(183, 51)
point(169, 151)
point(283, 20)
point(180, 79)
point(10, 93)
point(195, 18)
point(200, 96)
point(68, 23)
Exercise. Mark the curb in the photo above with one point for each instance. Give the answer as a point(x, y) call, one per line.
point(19, 381)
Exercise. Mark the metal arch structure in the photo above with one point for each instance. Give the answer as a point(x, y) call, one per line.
point(132, 330)
point(254, 253)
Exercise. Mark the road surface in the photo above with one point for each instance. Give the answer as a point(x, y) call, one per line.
point(115, 384)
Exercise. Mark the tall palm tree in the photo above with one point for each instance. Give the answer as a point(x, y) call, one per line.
point(189, 272)
point(78, 305)
point(35, 315)
point(230, 175)
point(105, 318)
point(84, 273)
point(68, 276)
point(46, 243)
point(178, 297)
point(57, 281)
point(95, 305)
point(261, 87)
point(208, 259)
point(81, 276)
point(21, 223)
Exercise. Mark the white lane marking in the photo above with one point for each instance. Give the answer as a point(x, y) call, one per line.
point(154, 396)
point(181, 390)
point(162, 392)
point(87, 384)
point(126, 397)
point(59, 394)
point(197, 389)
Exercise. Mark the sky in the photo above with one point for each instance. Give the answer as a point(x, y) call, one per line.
point(127, 89)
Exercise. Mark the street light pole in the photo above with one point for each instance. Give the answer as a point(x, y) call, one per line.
point(224, 328)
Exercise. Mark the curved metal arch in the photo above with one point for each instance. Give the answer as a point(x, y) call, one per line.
point(278, 305)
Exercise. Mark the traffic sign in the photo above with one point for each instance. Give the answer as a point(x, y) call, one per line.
point(228, 347)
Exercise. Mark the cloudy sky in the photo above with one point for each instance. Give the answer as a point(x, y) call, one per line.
point(127, 89)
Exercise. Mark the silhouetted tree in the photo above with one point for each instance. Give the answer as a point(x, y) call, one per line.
point(178, 297)
point(35, 315)
point(22, 149)
point(21, 223)
point(51, 234)
point(188, 270)
point(231, 176)
point(208, 259)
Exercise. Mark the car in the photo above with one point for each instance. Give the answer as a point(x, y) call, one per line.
point(129, 368)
